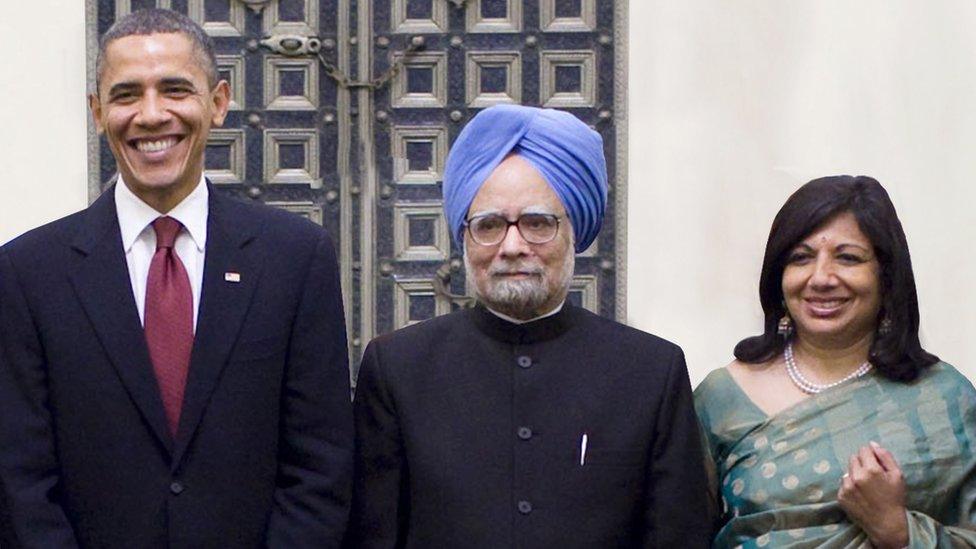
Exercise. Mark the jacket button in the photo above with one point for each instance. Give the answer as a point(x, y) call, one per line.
point(524, 361)
point(524, 433)
point(176, 487)
point(524, 507)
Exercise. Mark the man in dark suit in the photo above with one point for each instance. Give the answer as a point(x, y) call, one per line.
point(173, 367)
point(525, 421)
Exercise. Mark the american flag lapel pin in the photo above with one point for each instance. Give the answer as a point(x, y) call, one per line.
point(232, 277)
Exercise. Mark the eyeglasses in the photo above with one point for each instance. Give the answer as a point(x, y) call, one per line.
point(490, 229)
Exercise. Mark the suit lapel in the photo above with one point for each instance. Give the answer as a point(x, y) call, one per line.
point(224, 302)
point(103, 287)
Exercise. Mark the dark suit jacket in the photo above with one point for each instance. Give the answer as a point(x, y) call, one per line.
point(263, 452)
point(468, 434)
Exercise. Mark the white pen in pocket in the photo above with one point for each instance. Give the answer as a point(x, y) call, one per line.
point(583, 441)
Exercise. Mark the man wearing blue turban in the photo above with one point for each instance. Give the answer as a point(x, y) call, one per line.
point(526, 421)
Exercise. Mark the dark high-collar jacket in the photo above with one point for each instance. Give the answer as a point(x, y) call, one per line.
point(469, 434)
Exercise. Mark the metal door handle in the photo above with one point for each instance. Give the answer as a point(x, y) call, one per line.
point(292, 45)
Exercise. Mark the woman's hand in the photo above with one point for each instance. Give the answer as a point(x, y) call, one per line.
point(872, 493)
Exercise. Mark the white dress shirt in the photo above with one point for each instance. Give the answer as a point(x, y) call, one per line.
point(139, 239)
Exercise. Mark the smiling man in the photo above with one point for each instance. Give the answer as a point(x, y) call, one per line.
point(526, 421)
point(173, 367)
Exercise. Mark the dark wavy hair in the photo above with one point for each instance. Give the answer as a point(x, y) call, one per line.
point(897, 353)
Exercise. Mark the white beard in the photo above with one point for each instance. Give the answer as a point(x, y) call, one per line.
point(520, 299)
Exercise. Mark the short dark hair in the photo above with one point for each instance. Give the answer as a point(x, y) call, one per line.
point(160, 21)
point(896, 352)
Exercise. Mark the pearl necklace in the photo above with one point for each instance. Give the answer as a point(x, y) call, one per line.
point(810, 387)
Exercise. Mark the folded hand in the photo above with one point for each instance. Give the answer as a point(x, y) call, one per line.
point(872, 493)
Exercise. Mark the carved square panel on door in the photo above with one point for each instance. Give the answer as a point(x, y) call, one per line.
point(567, 79)
point(419, 154)
point(419, 16)
point(420, 232)
point(415, 301)
point(567, 15)
point(294, 17)
point(503, 16)
point(292, 156)
point(291, 84)
point(422, 82)
point(218, 17)
point(224, 159)
point(125, 7)
point(493, 78)
point(584, 292)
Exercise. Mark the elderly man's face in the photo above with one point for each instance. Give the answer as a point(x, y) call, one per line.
point(515, 277)
point(156, 108)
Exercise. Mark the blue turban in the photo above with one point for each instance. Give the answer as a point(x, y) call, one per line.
point(567, 153)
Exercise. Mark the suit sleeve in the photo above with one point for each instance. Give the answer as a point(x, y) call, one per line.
point(677, 510)
point(311, 499)
point(29, 472)
point(378, 511)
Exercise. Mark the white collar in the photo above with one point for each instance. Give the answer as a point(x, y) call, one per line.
point(135, 215)
point(517, 321)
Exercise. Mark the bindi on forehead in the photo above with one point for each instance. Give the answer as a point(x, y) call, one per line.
point(827, 243)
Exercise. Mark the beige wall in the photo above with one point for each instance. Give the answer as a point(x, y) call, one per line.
point(732, 106)
point(43, 156)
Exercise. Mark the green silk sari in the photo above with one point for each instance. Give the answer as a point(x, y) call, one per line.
point(775, 478)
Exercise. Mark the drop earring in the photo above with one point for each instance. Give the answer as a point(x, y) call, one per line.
point(885, 327)
point(785, 326)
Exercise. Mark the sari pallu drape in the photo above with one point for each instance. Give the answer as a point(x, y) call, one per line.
point(775, 478)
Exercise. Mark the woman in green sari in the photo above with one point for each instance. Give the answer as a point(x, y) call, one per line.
point(834, 428)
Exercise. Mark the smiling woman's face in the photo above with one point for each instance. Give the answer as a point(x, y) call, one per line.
point(831, 284)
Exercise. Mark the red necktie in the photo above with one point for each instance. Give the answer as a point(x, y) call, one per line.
point(169, 319)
